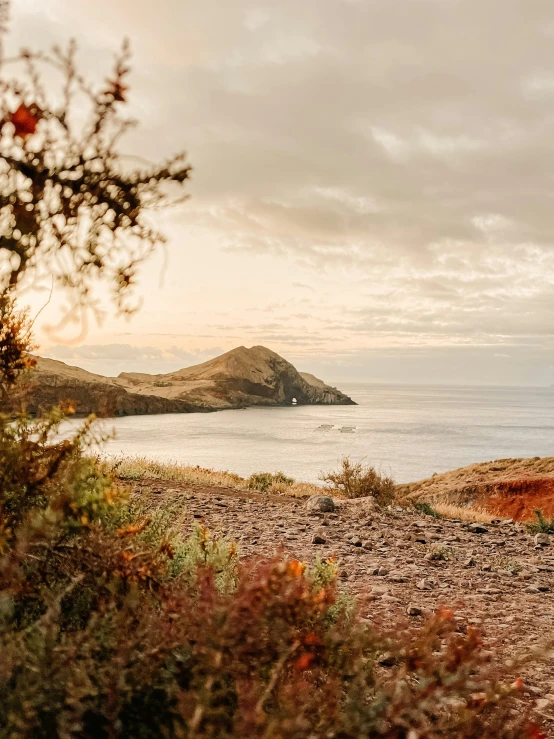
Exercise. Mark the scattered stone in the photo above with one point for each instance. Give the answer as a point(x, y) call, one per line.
point(477, 528)
point(414, 610)
point(542, 540)
point(318, 539)
point(320, 504)
point(470, 562)
point(397, 577)
point(367, 545)
point(425, 584)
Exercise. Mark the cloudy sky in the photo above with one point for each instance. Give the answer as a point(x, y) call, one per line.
point(373, 186)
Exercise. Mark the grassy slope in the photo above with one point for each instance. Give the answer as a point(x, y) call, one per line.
point(139, 468)
point(485, 473)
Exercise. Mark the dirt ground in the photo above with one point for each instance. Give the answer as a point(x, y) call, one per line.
point(498, 579)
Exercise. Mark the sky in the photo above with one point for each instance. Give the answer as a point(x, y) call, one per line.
point(372, 192)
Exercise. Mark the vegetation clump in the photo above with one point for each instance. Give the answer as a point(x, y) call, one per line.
point(269, 482)
point(541, 525)
point(426, 509)
point(354, 480)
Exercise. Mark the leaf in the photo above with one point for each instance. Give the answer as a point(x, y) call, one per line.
point(117, 90)
point(303, 662)
point(25, 120)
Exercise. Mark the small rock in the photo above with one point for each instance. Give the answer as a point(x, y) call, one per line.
point(379, 590)
point(414, 610)
point(477, 528)
point(318, 539)
point(390, 598)
point(320, 503)
point(469, 562)
point(388, 660)
point(367, 545)
point(397, 577)
point(425, 584)
point(542, 540)
point(542, 704)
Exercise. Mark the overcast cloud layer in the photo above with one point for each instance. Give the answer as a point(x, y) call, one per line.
point(373, 186)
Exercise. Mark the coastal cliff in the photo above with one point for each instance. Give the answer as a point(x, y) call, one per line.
point(240, 378)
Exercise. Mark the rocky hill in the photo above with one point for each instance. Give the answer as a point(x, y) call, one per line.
point(237, 379)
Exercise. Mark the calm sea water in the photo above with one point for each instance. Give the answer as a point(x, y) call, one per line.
point(407, 431)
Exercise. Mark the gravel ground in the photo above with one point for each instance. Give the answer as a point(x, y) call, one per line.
point(397, 562)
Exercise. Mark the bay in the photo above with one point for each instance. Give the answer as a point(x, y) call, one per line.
point(407, 431)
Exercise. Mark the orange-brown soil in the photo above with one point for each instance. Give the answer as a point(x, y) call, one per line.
point(518, 499)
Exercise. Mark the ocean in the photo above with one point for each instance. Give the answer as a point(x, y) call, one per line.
point(407, 431)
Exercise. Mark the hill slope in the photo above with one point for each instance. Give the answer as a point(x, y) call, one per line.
point(512, 488)
point(237, 379)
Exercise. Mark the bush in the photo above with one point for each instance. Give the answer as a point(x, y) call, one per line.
point(426, 509)
point(358, 481)
point(263, 481)
point(542, 524)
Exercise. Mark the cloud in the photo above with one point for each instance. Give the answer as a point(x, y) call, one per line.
point(395, 157)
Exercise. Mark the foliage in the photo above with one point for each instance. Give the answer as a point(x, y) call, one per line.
point(15, 344)
point(161, 529)
point(359, 481)
point(263, 481)
point(100, 636)
point(65, 190)
point(426, 509)
point(542, 524)
point(46, 478)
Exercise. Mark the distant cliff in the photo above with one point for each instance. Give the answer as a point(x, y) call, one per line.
point(238, 379)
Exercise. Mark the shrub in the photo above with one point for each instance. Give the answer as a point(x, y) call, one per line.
point(267, 659)
point(542, 524)
point(358, 481)
point(263, 481)
point(426, 509)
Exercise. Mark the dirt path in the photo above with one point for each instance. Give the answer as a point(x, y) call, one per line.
point(498, 579)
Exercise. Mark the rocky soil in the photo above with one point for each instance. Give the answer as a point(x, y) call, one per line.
point(400, 563)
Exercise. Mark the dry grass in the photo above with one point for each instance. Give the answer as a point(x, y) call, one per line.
point(305, 489)
point(464, 482)
point(140, 468)
point(475, 515)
